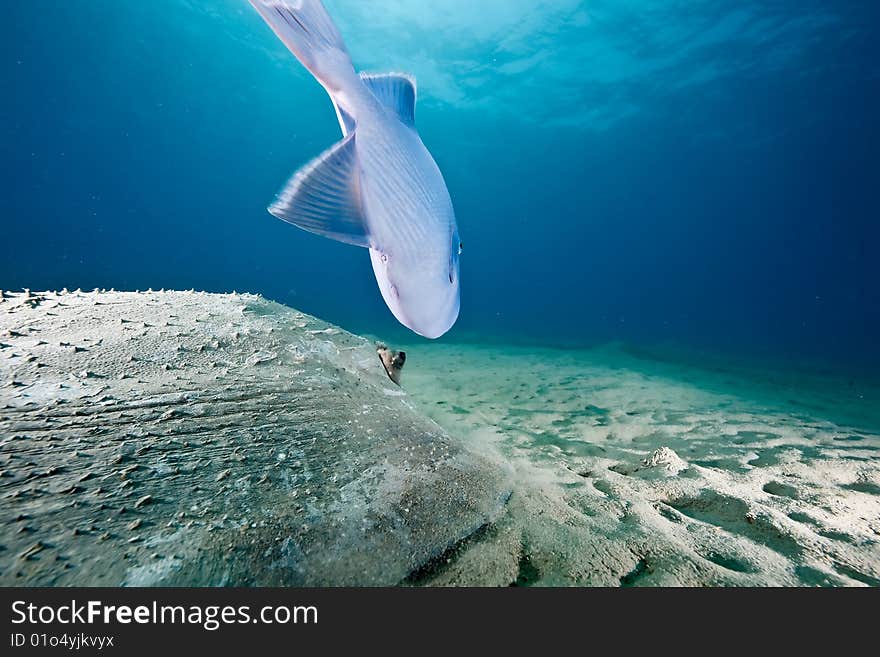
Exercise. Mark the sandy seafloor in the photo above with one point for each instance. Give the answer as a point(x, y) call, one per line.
point(595, 467)
point(635, 470)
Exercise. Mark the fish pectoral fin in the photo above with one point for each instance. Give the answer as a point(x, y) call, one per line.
point(396, 92)
point(324, 198)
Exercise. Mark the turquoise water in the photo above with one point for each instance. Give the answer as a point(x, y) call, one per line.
point(698, 174)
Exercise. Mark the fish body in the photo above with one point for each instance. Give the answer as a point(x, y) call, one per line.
point(378, 187)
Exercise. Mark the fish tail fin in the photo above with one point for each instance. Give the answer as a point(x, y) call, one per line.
point(310, 34)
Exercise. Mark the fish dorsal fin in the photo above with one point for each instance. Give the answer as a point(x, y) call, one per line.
point(324, 196)
point(396, 92)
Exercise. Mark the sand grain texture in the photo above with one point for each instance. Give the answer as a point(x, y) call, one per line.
point(634, 470)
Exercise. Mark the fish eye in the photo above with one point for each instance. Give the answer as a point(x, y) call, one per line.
point(460, 247)
point(384, 257)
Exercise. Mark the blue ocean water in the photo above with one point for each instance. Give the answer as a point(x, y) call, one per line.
point(702, 173)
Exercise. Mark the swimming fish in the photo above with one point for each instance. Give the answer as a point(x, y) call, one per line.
point(378, 187)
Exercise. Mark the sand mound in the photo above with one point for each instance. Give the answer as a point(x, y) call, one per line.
point(182, 438)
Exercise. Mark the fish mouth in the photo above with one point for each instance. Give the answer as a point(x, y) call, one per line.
point(431, 322)
point(429, 309)
point(429, 334)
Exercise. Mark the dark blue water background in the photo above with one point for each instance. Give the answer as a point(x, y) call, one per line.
point(702, 173)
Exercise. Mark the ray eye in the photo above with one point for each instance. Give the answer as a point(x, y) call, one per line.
point(384, 258)
point(460, 247)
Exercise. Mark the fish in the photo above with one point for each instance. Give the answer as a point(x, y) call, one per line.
point(378, 187)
